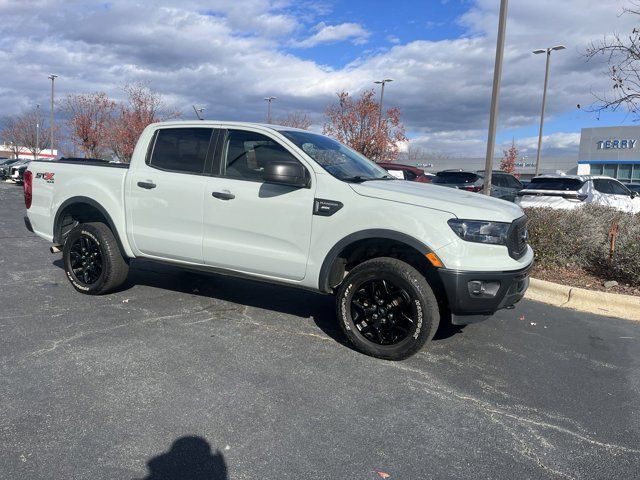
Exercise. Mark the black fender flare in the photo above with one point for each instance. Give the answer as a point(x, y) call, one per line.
point(57, 227)
point(332, 256)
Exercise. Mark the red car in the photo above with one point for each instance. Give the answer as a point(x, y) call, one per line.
point(407, 172)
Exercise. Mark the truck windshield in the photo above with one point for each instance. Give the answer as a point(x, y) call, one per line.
point(340, 161)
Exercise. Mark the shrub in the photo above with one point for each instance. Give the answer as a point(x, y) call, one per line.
point(580, 238)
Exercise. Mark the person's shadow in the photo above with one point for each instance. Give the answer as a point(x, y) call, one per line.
point(190, 458)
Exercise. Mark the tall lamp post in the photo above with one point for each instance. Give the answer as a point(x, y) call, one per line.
point(495, 94)
point(37, 129)
point(52, 77)
point(382, 82)
point(544, 97)
point(269, 100)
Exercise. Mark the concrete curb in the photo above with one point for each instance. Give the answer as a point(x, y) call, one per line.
point(600, 303)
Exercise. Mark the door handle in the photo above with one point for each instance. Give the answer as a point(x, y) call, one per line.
point(223, 195)
point(147, 185)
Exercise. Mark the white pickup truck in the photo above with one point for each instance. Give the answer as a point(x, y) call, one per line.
point(287, 206)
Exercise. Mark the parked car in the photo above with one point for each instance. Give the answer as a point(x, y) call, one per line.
point(634, 187)
point(5, 165)
point(407, 172)
point(503, 185)
point(16, 171)
point(573, 191)
point(292, 207)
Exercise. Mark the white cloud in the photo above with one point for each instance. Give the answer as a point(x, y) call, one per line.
point(230, 55)
point(335, 33)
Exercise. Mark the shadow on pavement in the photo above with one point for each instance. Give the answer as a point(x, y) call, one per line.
point(189, 458)
point(276, 298)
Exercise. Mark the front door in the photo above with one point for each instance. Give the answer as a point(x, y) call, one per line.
point(252, 226)
point(165, 201)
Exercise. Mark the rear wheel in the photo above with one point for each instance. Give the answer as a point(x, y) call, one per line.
point(92, 259)
point(387, 309)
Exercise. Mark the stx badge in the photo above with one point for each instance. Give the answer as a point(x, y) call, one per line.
point(46, 176)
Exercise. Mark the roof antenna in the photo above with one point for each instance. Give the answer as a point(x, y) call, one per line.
point(198, 111)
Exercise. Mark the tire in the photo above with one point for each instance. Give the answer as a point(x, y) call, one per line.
point(92, 259)
point(388, 287)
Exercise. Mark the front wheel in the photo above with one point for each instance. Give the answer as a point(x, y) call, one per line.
point(387, 309)
point(92, 260)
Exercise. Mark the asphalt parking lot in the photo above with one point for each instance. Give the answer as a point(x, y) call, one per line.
point(184, 375)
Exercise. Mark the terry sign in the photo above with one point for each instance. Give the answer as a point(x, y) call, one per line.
point(616, 144)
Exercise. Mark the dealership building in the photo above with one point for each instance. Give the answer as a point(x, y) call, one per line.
point(611, 151)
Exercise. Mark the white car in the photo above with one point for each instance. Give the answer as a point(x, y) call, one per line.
point(287, 206)
point(573, 191)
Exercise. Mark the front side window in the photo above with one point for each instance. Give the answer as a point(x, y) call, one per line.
point(618, 189)
point(245, 155)
point(181, 149)
point(340, 161)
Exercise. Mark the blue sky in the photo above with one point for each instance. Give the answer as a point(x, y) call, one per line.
point(228, 55)
point(389, 24)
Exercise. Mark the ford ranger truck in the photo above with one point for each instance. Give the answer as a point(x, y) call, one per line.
point(286, 206)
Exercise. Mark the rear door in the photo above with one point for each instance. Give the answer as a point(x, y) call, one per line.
point(165, 202)
point(249, 225)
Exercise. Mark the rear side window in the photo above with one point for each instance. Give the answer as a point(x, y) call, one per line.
point(181, 149)
point(562, 184)
point(455, 177)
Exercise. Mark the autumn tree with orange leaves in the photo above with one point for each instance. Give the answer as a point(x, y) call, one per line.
point(355, 122)
point(89, 116)
point(142, 107)
point(100, 126)
point(508, 162)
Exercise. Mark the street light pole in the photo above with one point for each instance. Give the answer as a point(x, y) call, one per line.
point(37, 128)
point(493, 116)
point(269, 100)
point(544, 98)
point(381, 82)
point(52, 77)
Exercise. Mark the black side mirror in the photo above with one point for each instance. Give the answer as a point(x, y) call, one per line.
point(634, 194)
point(292, 174)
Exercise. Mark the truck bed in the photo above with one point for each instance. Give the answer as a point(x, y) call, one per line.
point(59, 181)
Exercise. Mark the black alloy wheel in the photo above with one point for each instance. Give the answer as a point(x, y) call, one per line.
point(383, 312)
point(86, 260)
point(386, 308)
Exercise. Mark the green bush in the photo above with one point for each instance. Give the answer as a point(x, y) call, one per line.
point(580, 238)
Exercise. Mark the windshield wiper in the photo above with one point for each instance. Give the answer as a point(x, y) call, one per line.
point(360, 178)
point(356, 179)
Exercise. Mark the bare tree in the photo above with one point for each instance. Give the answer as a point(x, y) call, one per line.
point(21, 131)
point(11, 135)
point(296, 119)
point(622, 53)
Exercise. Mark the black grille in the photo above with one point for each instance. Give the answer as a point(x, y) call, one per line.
point(518, 237)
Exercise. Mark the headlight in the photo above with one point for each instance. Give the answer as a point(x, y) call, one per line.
point(481, 232)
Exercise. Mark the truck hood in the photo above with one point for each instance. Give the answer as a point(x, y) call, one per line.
point(459, 203)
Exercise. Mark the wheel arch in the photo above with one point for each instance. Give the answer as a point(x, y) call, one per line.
point(82, 209)
point(335, 262)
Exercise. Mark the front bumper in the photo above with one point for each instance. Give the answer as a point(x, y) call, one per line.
point(474, 296)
